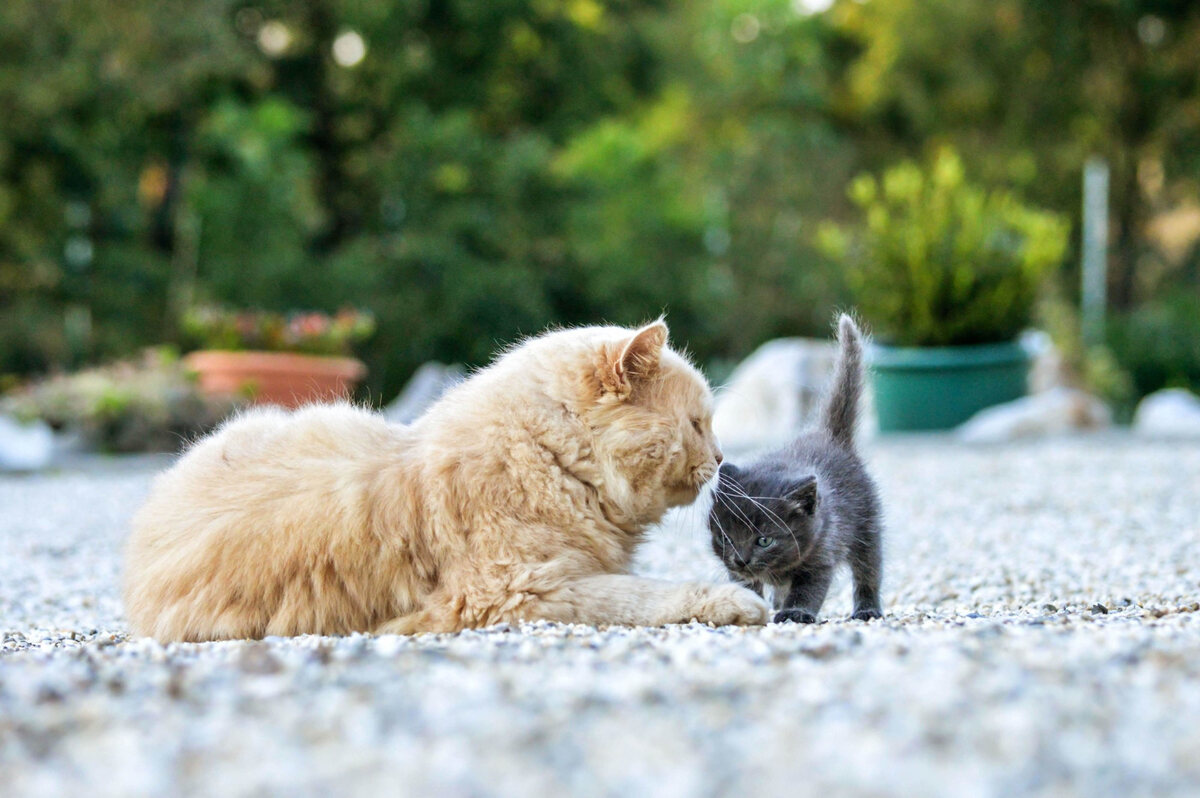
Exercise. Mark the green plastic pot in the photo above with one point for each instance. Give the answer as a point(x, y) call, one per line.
point(920, 388)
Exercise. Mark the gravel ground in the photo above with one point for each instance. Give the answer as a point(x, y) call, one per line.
point(1042, 638)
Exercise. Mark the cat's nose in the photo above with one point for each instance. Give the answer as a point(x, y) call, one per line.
point(718, 455)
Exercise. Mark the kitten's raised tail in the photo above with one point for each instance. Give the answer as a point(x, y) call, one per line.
point(841, 406)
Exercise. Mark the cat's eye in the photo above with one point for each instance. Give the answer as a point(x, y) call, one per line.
point(764, 542)
point(696, 425)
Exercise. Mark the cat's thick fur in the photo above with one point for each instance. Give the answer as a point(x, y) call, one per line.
point(789, 519)
point(519, 495)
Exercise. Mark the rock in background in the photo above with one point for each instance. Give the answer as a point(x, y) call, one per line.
point(1053, 407)
point(1170, 413)
point(1057, 411)
point(25, 447)
point(776, 392)
point(425, 387)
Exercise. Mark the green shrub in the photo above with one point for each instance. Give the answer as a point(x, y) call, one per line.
point(939, 261)
point(1159, 343)
point(151, 404)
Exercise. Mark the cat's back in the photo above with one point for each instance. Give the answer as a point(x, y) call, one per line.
point(255, 502)
point(314, 431)
point(267, 454)
point(837, 468)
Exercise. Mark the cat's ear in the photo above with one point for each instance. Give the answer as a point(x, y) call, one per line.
point(636, 358)
point(802, 495)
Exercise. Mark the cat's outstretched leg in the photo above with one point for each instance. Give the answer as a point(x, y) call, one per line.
point(599, 600)
point(805, 596)
point(635, 601)
point(757, 587)
point(416, 623)
point(866, 566)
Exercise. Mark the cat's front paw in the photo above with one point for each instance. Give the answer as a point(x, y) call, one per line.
point(866, 614)
point(795, 615)
point(731, 605)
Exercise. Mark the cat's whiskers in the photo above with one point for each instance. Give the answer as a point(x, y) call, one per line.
point(812, 544)
point(725, 537)
point(741, 493)
point(731, 506)
point(768, 512)
point(771, 514)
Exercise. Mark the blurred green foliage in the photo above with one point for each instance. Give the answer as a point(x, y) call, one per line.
point(473, 171)
point(1158, 345)
point(939, 261)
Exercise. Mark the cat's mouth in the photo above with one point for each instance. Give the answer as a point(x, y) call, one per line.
point(689, 486)
point(703, 474)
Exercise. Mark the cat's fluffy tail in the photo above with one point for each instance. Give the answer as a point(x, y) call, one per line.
point(841, 406)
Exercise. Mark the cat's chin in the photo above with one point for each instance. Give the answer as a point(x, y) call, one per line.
point(683, 495)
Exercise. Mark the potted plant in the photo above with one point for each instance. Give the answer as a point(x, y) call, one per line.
point(947, 274)
point(273, 358)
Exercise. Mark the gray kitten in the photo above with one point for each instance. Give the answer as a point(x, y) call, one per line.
point(790, 518)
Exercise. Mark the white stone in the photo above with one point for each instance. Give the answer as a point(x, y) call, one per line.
point(24, 447)
point(1170, 413)
point(776, 392)
point(429, 382)
point(1057, 411)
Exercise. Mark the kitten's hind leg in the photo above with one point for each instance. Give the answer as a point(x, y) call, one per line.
point(866, 566)
point(805, 596)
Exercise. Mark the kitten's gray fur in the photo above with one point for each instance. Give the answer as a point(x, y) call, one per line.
point(790, 518)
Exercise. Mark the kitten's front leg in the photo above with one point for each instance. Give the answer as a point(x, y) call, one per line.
point(635, 601)
point(805, 596)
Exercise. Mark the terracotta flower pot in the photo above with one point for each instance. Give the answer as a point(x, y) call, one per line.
point(280, 378)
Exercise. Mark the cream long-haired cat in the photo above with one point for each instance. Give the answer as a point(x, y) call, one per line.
point(520, 495)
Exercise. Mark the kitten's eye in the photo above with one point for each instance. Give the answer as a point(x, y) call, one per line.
point(764, 542)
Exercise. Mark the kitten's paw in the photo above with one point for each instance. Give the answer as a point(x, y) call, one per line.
point(867, 614)
point(795, 615)
point(731, 605)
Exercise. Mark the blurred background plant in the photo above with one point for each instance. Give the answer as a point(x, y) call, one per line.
point(308, 332)
point(470, 172)
point(150, 403)
point(939, 261)
point(1158, 343)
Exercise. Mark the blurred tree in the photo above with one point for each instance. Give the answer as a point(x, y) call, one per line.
point(91, 150)
point(1028, 91)
point(474, 171)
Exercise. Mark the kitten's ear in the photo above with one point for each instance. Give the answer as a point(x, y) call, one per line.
point(803, 496)
point(636, 358)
